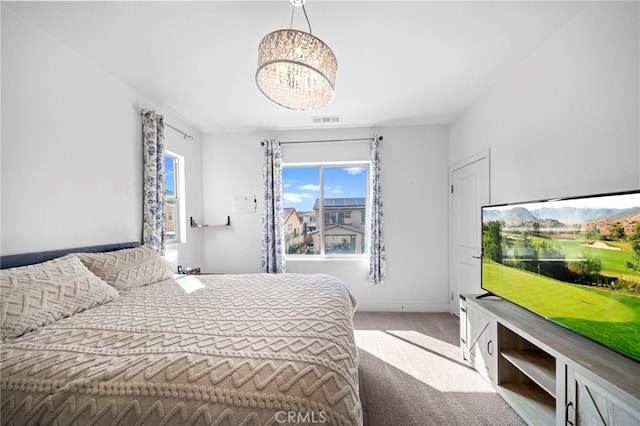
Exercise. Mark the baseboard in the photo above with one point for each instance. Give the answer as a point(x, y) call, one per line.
point(365, 306)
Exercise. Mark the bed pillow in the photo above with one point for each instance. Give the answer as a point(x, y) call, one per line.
point(128, 268)
point(37, 295)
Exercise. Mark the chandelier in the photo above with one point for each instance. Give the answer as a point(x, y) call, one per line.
point(296, 69)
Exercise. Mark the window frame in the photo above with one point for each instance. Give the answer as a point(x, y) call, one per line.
point(178, 199)
point(320, 219)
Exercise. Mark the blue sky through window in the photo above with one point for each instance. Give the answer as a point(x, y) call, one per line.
point(169, 176)
point(301, 185)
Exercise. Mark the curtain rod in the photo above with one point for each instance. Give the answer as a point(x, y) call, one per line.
point(327, 140)
point(184, 135)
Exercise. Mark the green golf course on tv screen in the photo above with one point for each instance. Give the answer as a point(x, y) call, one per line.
point(574, 261)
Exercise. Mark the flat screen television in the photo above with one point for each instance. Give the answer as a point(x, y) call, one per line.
point(574, 261)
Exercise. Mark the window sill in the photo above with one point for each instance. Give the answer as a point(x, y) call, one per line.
point(318, 258)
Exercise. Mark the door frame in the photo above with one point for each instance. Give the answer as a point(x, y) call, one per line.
point(453, 305)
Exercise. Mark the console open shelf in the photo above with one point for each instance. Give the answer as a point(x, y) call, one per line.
point(535, 407)
point(526, 376)
point(535, 364)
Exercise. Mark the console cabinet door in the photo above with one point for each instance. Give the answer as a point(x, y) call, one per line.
point(481, 342)
point(464, 347)
point(591, 404)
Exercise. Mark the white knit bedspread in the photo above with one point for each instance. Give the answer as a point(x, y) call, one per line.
point(256, 349)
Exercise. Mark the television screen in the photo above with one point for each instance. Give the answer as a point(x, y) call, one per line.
point(574, 261)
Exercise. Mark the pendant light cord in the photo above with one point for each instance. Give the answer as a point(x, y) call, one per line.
point(293, 11)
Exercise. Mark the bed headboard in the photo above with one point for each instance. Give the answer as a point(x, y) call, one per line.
point(14, 260)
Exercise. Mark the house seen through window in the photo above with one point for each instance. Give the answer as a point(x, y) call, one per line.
point(325, 209)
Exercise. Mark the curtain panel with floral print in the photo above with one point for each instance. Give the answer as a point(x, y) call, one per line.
point(273, 244)
point(377, 250)
point(153, 220)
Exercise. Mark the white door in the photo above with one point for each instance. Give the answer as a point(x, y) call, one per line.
point(469, 192)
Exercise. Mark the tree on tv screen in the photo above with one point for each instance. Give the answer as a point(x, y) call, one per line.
point(492, 240)
point(635, 247)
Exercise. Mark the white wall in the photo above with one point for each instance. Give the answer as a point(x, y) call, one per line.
point(72, 150)
point(233, 165)
point(566, 120)
point(414, 162)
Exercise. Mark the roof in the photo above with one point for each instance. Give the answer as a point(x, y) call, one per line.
point(341, 202)
point(288, 211)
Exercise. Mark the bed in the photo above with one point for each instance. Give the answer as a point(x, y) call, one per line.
point(254, 349)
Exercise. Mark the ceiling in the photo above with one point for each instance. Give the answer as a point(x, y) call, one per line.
point(399, 63)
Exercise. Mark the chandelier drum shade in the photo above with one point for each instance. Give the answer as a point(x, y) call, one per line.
point(296, 70)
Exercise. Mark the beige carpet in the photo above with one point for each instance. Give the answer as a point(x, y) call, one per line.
point(412, 373)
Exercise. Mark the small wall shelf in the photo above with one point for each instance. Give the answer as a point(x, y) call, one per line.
point(193, 224)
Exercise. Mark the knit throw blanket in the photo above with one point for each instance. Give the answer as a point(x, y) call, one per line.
point(256, 349)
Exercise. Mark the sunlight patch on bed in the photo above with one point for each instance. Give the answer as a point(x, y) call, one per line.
point(435, 363)
point(189, 283)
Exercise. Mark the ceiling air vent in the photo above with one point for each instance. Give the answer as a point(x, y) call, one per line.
point(328, 119)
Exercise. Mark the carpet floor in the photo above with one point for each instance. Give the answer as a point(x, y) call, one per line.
point(411, 372)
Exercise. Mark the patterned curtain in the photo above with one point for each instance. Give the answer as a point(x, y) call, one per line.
point(272, 210)
point(377, 259)
point(153, 223)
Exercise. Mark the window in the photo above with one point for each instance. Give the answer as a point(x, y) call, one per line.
point(333, 199)
point(173, 200)
point(345, 218)
point(345, 243)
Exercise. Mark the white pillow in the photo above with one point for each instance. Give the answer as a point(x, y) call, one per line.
point(36, 295)
point(128, 268)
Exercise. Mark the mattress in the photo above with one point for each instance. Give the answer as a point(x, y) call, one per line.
point(255, 349)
